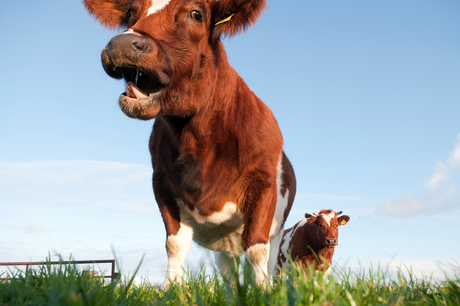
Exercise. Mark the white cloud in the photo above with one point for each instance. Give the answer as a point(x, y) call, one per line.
point(440, 195)
point(440, 174)
point(454, 158)
point(405, 206)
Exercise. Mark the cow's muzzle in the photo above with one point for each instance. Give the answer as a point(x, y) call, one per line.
point(126, 57)
point(330, 242)
point(127, 50)
point(128, 47)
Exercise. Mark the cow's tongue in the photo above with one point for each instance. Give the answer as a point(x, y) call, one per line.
point(133, 91)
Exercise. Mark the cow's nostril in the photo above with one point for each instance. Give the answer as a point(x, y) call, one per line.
point(130, 46)
point(142, 45)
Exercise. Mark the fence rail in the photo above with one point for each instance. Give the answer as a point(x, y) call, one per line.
point(113, 275)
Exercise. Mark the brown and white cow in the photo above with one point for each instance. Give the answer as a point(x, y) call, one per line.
point(220, 175)
point(311, 241)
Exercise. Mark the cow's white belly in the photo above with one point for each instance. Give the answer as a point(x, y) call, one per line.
point(220, 231)
point(220, 238)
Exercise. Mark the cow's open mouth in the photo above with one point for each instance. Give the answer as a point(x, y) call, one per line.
point(143, 89)
point(139, 84)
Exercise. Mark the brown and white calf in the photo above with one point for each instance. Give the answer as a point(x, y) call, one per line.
point(220, 175)
point(311, 241)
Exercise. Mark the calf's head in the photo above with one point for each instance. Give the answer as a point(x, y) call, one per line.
point(170, 51)
point(325, 224)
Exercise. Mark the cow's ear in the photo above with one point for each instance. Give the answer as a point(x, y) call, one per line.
point(310, 218)
point(230, 17)
point(110, 13)
point(343, 220)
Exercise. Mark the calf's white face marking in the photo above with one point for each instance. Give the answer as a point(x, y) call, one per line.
point(156, 6)
point(328, 217)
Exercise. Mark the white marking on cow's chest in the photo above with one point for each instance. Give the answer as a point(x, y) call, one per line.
point(328, 217)
point(156, 6)
point(228, 212)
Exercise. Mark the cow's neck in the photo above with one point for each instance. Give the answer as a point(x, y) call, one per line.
point(206, 128)
point(215, 105)
point(177, 123)
point(308, 233)
point(319, 259)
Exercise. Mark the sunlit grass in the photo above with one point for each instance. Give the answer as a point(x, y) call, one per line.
point(66, 285)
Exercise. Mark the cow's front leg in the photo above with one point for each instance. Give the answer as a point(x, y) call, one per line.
point(258, 255)
point(177, 247)
point(179, 234)
point(258, 219)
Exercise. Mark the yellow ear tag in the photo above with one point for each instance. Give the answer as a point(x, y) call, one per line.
point(343, 222)
point(225, 19)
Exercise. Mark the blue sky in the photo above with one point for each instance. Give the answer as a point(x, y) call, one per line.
point(367, 94)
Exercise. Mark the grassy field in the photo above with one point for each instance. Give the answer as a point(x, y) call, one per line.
point(66, 285)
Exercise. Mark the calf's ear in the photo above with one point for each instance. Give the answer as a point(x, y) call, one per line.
point(343, 220)
point(230, 17)
point(110, 13)
point(310, 218)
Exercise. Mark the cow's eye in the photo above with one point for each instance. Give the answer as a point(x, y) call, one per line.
point(129, 14)
point(197, 16)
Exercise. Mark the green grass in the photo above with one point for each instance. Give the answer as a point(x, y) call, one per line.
point(66, 285)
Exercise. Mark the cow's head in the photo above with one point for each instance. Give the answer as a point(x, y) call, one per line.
point(170, 50)
point(326, 225)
